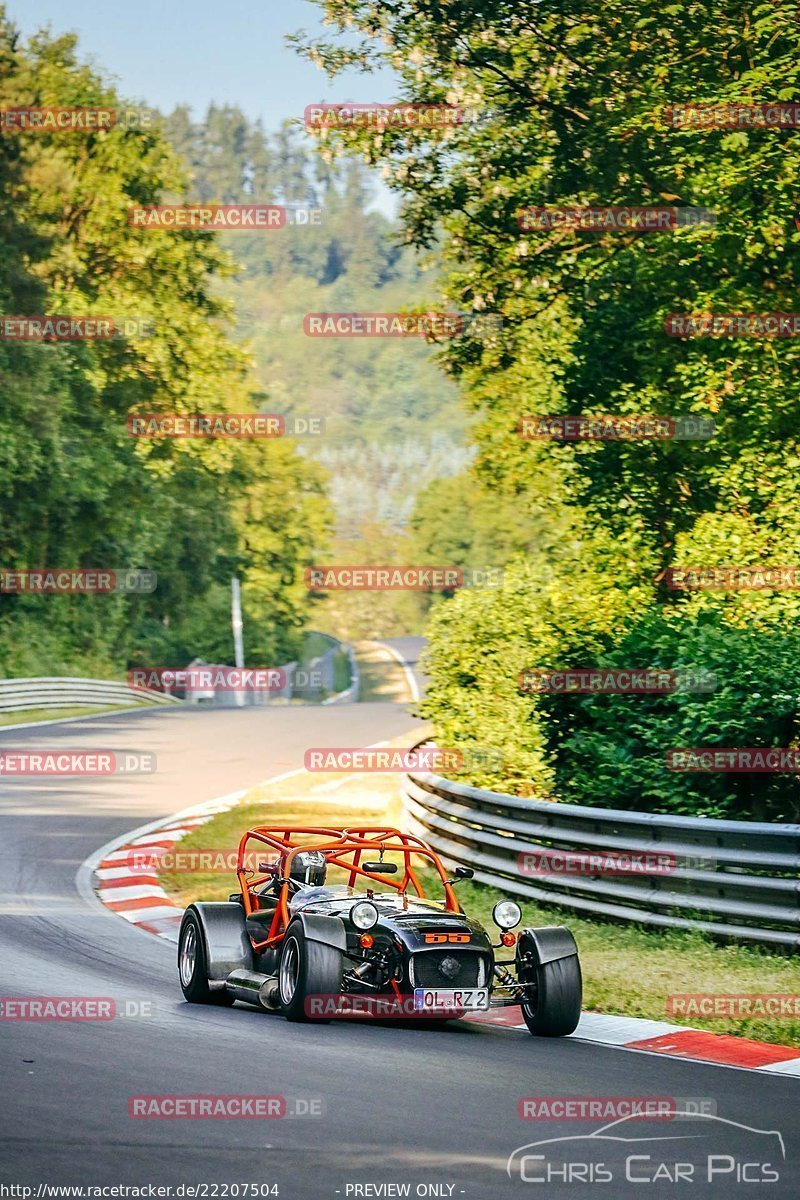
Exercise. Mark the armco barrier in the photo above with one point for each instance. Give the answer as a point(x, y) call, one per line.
point(311, 682)
point(54, 692)
point(231, 698)
point(18, 695)
point(351, 694)
point(734, 879)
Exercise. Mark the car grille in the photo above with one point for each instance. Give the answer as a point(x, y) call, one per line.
point(425, 969)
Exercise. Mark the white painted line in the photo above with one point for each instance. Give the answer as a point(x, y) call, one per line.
point(130, 893)
point(124, 856)
point(791, 1066)
point(194, 823)
point(109, 873)
point(137, 916)
point(164, 835)
point(618, 1031)
point(168, 937)
point(112, 712)
point(413, 686)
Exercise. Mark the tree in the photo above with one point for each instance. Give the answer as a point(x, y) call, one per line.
point(570, 107)
point(82, 491)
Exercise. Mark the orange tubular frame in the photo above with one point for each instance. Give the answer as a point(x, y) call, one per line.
point(342, 848)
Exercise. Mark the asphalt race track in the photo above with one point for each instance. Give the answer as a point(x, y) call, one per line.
point(393, 1105)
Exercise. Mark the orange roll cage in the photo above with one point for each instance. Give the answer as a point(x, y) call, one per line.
point(342, 848)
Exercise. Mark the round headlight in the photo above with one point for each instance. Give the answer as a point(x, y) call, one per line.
point(506, 914)
point(364, 915)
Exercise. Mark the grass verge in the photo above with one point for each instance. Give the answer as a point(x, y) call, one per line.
point(627, 970)
point(382, 676)
point(26, 716)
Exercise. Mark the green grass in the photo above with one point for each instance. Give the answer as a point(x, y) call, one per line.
point(632, 970)
point(315, 645)
point(382, 676)
point(627, 969)
point(341, 672)
point(304, 799)
point(57, 714)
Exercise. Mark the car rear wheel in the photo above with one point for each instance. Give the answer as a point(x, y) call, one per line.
point(193, 967)
point(308, 971)
point(551, 1006)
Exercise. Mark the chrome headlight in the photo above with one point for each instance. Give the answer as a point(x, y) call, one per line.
point(506, 914)
point(364, 915)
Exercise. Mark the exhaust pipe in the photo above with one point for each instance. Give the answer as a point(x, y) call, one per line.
point(253, 988)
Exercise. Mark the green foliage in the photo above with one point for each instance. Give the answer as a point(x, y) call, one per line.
point(569, 101)
point(77, 489)
point(391, 422)
point(460, 521)
point(361, 614)
point(481, 640)
point(612, 748)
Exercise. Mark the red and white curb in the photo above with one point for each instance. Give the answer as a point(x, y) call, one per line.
point(676, 1041)
point(136, 895)
point(139, 898)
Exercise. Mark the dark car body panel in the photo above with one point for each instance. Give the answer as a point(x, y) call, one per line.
point(423, 939)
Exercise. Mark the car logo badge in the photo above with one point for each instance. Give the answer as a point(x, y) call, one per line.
point(449, 967)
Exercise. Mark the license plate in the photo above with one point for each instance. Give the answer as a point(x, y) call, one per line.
point(427, 999)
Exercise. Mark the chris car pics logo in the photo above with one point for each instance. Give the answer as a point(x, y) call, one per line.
point(704, 1149)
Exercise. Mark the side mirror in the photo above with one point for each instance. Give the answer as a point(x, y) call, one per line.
point(464, 873)
point(380, 868)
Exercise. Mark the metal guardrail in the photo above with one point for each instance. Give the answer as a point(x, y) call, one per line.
point(733, 879)
point(313, 682)
point(351, 694)
point(196, 692)
point(310, 683)
point(56, 692)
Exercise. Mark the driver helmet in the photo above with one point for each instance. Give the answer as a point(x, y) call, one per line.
point(310, 867)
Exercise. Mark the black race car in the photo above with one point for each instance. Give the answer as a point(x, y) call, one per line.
point(301, 939)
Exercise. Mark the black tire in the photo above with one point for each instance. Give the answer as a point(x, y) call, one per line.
point(193, 965)
point(552, 1007)
point(306, 969)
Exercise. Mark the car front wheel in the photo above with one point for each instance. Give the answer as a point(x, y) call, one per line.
point(551, 1004)
point(309, 976)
